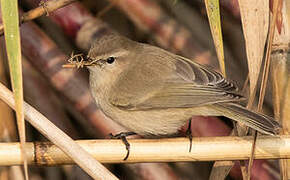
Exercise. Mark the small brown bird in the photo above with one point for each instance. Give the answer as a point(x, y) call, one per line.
point(151, 91)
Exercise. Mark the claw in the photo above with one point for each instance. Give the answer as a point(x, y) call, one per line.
point(123, 136)
point(189, 135)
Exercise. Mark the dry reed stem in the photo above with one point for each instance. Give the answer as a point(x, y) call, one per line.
point(154, 150)
point(44, 8)
point(44, 99)
point(48, 129)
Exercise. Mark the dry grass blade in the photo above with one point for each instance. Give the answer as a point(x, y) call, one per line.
point(255, 26)
point(213, 13)
point(12, 39)
point(267, 61)
point(251, 160)
point(254, 18)
point(244, 170)
point(220, 170)
point(59, 138)
point(268, 53)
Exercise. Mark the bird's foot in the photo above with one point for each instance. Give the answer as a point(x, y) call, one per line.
point(189, 135)
point(123, 136)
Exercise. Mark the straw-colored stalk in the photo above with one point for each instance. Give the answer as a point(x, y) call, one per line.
point(44, 8)
point(55, 135)
point(154, 150)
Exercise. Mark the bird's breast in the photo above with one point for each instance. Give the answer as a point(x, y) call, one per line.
point(158, 122)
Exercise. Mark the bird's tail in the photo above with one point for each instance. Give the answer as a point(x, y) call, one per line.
point(257, 121)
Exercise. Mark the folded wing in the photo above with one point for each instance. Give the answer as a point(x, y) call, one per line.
point(173, 82)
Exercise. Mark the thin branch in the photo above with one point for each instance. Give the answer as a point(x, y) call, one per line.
point(44, 9)
point(268, 55)
point(154, 150)
point(55, 135)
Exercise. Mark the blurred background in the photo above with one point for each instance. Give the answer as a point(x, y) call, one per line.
point(63, 95)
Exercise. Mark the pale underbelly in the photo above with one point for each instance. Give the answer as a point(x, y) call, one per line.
point(155, 122)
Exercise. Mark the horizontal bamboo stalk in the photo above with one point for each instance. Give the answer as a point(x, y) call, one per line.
point(153, 150)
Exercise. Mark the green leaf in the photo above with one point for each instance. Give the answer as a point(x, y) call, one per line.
point(213, 13)
point(12, 38)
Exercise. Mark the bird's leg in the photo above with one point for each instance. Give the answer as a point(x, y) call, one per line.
point(123, 136)
point(189, 135)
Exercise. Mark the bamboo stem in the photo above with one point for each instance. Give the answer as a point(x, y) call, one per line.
point(154, 150)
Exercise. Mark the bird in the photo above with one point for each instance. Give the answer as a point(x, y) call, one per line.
point(153, 92)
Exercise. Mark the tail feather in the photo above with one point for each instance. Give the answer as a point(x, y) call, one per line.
point(257, 121)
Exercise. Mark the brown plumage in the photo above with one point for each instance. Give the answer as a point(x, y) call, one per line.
point(153, 92)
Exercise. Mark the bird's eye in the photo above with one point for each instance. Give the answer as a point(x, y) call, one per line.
point(110, 60)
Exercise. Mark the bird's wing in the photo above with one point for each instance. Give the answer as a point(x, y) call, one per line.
point(175, 83)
